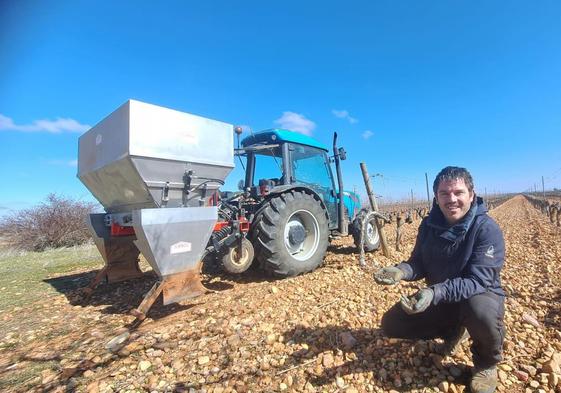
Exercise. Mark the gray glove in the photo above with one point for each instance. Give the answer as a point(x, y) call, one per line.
point(388, 275)
point(417, 303)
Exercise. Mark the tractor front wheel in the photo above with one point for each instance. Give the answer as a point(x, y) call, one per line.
point(291, 234)
point(365, 221)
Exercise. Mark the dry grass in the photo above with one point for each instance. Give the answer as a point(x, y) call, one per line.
point(22, 273)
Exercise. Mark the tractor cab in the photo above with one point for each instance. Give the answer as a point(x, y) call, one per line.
point(279, 160)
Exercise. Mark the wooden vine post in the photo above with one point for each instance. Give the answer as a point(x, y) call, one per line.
point(374, 206)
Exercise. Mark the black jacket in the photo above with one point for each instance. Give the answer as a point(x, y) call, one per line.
point(461, 260)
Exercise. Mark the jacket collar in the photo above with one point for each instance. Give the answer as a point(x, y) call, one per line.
point(452, 233)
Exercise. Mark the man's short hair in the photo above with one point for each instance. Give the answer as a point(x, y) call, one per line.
point(453, 173)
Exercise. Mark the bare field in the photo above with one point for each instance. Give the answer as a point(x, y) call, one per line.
point(317, 332)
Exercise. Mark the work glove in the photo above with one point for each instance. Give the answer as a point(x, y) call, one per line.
point(417, 303)
point(388, 275)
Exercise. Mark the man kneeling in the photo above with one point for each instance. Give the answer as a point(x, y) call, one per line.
point(459, 251)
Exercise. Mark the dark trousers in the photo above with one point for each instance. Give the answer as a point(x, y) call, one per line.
point(482, 315)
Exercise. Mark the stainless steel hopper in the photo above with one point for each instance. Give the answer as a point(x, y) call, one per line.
point(138, 157)
point(154, 170)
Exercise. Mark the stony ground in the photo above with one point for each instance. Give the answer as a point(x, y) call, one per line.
point(313, 333)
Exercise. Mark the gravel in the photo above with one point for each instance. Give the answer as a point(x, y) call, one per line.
point(312, 333)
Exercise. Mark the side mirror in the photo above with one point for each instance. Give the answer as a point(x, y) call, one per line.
point(342, 154)
point(241, 185)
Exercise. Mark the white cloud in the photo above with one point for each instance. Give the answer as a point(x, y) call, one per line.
point(367, 134)
point(52, 126)
point(344, 114)
point(296, 122)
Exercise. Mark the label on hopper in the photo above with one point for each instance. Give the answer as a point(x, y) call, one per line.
point(180, 247)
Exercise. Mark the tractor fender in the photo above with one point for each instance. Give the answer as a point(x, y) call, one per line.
point(351, 200)
point(298, 187)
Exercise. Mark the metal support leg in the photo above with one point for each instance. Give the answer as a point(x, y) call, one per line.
point(149, 299)
point(174, 288)
point(101, 274)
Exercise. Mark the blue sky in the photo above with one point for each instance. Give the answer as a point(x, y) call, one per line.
point(411, 86)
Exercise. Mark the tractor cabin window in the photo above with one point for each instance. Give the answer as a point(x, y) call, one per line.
point(310, 166)
point(268, 165)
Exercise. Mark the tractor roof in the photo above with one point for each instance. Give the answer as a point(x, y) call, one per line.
point(276, 135)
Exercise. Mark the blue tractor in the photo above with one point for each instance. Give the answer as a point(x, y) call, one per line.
point(288, 208)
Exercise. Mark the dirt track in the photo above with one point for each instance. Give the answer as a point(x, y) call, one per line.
point(316, 332)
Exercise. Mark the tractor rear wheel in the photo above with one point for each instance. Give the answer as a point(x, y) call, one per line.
point(291, 234)
point(235, 262)
point(371, 235)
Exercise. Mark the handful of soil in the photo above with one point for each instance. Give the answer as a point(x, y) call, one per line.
point(384, 276)
point(408, 303)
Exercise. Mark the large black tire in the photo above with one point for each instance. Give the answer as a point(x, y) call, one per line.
point(372, 237)
point(233, 262)
point(290, 234)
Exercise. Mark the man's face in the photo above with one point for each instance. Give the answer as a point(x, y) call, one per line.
point(454, 199)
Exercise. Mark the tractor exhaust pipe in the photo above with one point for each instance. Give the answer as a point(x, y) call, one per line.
point(340, 155)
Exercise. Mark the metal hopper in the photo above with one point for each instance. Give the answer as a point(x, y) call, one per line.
point(154, 170)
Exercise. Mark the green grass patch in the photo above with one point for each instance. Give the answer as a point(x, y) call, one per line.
point(23, 274)
point(24, 378)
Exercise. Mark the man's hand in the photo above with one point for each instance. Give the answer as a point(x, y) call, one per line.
point(388, 275)
point(417, 303)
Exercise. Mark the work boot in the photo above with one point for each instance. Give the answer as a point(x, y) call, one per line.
point(453, 344)
point(484, 380)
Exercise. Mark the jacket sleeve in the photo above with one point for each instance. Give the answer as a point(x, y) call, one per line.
point(482, 270)
point(413, 268)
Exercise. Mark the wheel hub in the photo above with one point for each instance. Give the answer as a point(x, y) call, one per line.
point(296, 234)
point(301, 235)
point(239, 258)
point(370, 231)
